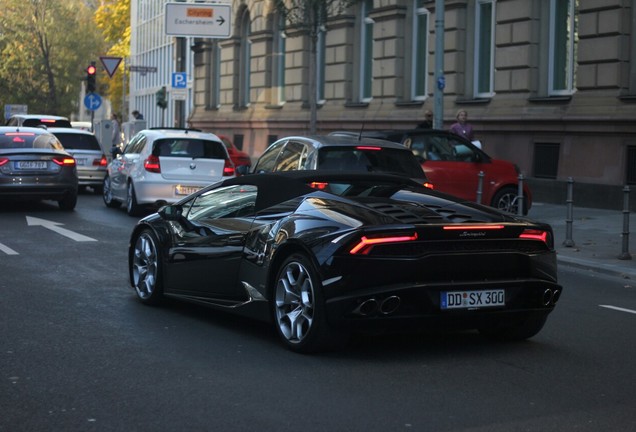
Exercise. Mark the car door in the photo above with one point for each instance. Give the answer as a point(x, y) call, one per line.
point(124, 165)
point(205, 259)
point(452, 165)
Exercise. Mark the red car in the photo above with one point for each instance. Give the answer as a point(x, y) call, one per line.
point(452, 164)
point(238, 157)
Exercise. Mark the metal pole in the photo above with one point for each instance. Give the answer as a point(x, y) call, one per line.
point(569, 219)
point(520, 196)
point(625, 252)
point(480, 185)
point(438, 116)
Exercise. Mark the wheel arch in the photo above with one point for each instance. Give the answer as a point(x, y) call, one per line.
point(283, 252)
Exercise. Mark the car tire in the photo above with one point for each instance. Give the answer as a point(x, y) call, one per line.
point(132, 208)
point(146, 269)
point(107, 194)
point(506, 200)
point(69, 201)
point(299, 308)
point(514, 330)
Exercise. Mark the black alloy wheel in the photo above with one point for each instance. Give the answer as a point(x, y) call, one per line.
point(145, 268)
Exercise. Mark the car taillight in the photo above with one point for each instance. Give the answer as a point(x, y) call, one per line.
point(64, 161)
point(228, 168)
point(3, 161)
point(428, 185)
point(152, 164)
point(534, 234)
point(100, 162)
point(318, 185)
point(372, 148)
point(364, 246)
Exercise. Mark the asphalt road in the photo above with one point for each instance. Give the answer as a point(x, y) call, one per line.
point(79, 353)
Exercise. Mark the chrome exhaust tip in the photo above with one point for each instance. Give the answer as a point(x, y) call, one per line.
point(367, 307)
point(547, 297)
point(555, 296)
point(390, 305)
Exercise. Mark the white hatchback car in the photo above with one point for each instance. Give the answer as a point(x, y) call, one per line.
point(161, 165)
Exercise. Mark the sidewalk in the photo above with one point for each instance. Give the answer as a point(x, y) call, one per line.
point(597, 237)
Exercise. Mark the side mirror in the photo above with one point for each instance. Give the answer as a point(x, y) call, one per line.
point(171, 212)
point(242, 170)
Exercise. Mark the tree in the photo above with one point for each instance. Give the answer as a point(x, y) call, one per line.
point(310, 17)
point(113, 19)
point(44, 46)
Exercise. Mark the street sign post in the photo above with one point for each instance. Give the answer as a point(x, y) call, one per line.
point(110, 64)
point(179, 80)
point(198, 20)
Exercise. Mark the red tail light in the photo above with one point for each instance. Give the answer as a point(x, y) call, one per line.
point(152, 164)
point(372, 148)
point(318, 185)
point(100, 162)
point(428, 185)
point(533, 234)
point(365, 244)
point(3, 161)
point(64, 161)
point(228, 169)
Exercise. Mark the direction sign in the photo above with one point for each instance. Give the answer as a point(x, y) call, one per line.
point(110, 64)
point(92, 101)
point(179, 80)
point(198, 20)
point(10, 110)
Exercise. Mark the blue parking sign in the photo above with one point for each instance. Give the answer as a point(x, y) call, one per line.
point(179, 80)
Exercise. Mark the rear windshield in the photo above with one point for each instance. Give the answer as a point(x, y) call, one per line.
point(370, 159)
point(35, 122)
point(189, 148)
point(29, 140)
point(73, 141)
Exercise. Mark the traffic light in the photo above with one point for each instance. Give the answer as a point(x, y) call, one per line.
point(162, 98)
point(91, 70)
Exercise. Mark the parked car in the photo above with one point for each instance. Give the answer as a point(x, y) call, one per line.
point(91, 160)
point(322, 254)
point(35, 120)
point(35, 166)
point(453, 164)
point(161, 165)
point(239, 157)
point(327, 152)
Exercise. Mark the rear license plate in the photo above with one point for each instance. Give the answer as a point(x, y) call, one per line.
point(80, 162)
point(186, 190)
point(472, 299)
point(30, 165)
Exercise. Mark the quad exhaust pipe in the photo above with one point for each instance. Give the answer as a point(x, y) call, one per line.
point(373, 306)
point(551, 297)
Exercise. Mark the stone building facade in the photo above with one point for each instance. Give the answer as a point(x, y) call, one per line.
point(548, 84)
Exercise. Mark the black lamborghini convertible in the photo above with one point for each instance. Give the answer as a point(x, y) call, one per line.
point(322, 254)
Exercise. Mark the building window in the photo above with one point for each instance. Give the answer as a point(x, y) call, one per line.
point(630, 173)
point(214, 73)
point(419, 55)
point(484, 48)
point(321, 65)
point(366, 52)
point(245, 57)
point(278, 76)
point(562, 53)
point(546, 160)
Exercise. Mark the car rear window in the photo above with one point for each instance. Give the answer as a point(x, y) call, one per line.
point(35, 122)
point(190, 148)
point(370, 159)
point(73, 141)
point(29, 140)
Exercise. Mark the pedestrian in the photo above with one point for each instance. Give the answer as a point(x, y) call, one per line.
point(428, 120)
point(461, 127)
point(137, 115)
point(116, 135)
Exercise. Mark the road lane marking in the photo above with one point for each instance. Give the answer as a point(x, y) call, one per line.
point(54, 226)
point(7, 250)
point(618, 308)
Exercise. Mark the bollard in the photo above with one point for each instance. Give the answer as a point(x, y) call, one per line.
point(568, 242)
point(520, 196)
point(480, 185)
point(625, 252)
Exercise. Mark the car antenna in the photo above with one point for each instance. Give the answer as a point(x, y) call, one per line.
point(360, 134)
